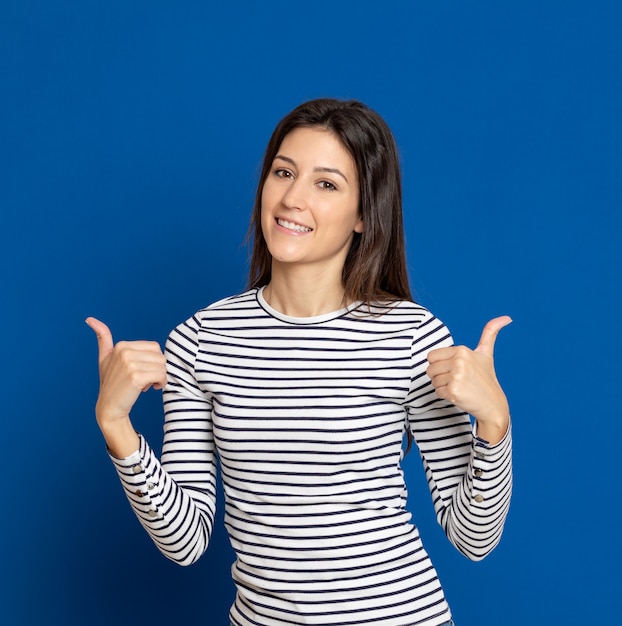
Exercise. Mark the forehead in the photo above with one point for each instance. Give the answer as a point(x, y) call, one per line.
point(316, 143)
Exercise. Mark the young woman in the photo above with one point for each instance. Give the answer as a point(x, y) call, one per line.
point(303, 388)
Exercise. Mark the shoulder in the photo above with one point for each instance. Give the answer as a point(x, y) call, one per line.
point(240, 306)
point(237, 308)
point(239, 302)
point(405, 316)
point(397, 312)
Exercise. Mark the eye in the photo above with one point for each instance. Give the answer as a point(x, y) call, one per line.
point(282, 173)
point(327, 185)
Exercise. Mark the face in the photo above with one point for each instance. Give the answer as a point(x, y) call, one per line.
point(309, 202)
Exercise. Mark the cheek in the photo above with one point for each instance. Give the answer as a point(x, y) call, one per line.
point(263, 221)
point(266, 219)
point(267, 198)
point(265, 202)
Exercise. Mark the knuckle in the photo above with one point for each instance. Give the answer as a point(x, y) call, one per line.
point(462, 352)
point(453, 390)
point(125, 357)
point(136, 379)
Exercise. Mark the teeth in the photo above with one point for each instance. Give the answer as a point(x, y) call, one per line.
point(292, 226)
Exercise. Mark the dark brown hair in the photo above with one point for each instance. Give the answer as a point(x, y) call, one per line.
point(375, 267)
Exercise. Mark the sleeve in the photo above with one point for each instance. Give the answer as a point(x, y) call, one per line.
point(175, 499)
point(470, 481)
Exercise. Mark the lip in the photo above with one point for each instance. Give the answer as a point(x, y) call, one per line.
point(296, 233)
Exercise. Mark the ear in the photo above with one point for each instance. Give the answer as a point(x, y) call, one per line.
point(359, 227)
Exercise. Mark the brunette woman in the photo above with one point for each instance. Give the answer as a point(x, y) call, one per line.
point(304, 388)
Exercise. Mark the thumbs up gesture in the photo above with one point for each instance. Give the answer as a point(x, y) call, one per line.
point(467, 379)
point(125, 370)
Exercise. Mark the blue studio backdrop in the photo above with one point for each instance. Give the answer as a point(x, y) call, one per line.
point(130, 139)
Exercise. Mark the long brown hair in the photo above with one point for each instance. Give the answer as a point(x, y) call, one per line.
point(375, 267)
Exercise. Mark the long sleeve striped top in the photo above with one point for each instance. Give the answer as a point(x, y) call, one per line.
point(306, 417)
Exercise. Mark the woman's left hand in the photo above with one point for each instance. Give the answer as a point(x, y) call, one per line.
point(467, 379)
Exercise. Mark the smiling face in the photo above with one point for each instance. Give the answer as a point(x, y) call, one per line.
point(310, 202)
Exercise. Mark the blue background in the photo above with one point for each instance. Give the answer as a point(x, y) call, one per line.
point(130, 139)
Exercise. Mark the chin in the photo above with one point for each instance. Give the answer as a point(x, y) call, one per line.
point(285, 256)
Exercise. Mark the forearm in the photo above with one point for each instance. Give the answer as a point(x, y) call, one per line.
point(179, 521)
point(475, 518)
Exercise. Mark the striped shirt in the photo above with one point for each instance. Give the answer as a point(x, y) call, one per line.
point(306, 417)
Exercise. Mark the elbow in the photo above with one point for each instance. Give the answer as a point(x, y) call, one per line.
point(184, 557)
point(475, 556)
point(477, 532)
point(185, 562)
point(476, 549)
point(186, 549)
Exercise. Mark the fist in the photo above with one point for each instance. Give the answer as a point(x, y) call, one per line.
point(467, 377)
point(125, 370)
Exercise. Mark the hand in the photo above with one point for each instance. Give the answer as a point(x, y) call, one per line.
point(125, 370)
point(467, 379)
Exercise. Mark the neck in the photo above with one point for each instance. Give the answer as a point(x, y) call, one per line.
point(304, 294)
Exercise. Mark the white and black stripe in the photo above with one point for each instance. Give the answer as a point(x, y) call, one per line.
point(307, 418)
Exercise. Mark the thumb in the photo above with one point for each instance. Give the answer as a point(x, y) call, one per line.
point(104, 337)
point(486, 343)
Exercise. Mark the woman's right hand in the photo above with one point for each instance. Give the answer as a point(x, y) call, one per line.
point(125, 370)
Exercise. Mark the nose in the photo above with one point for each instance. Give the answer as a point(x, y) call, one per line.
point(296, 196)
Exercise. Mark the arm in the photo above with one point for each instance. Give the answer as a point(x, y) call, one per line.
point(469, 478)
point(174, 500)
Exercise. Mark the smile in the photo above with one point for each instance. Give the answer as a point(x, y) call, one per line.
point(293, 226)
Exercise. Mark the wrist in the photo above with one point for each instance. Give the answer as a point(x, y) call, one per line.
point(120, 436)
point(493, 428)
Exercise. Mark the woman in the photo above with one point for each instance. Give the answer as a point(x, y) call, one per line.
point(303, 387)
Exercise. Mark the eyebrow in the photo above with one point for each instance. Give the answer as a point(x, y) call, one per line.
point(332, 170)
